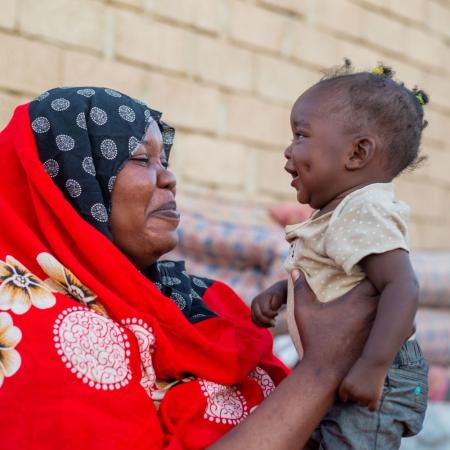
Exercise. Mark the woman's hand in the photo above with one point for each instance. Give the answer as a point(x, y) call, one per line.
point(333, 334)
point(265, 306)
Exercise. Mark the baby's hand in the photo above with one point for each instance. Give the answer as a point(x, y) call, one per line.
point(265, 305)
point(363, 384)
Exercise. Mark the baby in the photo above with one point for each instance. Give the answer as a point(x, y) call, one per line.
point(353, 133)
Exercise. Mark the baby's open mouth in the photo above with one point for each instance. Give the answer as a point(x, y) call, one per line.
point(293, 172)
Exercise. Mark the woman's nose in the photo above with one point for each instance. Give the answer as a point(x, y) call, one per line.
point(166, 179)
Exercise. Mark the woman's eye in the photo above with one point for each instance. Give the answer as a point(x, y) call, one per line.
point(140, 159)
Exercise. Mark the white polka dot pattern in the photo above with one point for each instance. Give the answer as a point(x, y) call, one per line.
point(99, 213)
point(113, 93)
point(88, 166)
point(64, 143)
point(168, 264)
point(51, 167)
point(148, 115)
point(139, 102)
point(178, 299)
point(81, 121)
point(60, 104)
point(108, 148)
point(199, 283)
point(98, 116)
point(329, 248)
point(43, 96)
point(111, 182)
point(127, 113)
point(133, 144)
point(170, 281)
point(40, 125)
point(73, 188)
point(86, 92)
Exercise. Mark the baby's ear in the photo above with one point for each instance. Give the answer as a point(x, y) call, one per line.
point(361, 153)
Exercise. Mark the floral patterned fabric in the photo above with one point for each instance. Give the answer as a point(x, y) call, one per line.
point(92, 354)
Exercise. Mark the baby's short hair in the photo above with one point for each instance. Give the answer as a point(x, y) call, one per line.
point(375, 98)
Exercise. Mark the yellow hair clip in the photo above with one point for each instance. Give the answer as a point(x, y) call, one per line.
point(378, 70)
point(420, 98)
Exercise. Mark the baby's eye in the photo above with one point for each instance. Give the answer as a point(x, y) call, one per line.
point(298, 137)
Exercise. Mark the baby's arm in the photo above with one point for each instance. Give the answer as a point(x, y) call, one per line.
point(393, 276)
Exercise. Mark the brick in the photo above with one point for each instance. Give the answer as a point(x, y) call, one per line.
point(362, 58)
point(342, 16)
point(438, 87)
point(438, 18)
point(385, 32)
point(206, 15)
point(183, 103)
point(80, 69)
point(414, 10)
point(258, 121)
point(309, 44)
point(186, 104)
point(406, 72)
point(259, 27)
point(27, 66)
point(132, 3)
point(437, 126)
point(282, 81)
point(296, 6)
point(425, 48)
point(437, 165)
point(425, 199)
point(158, 44)
point(8, 13)
point(214, 162)
point(430, 236)
point(271, 178)
point(80, 23)
point(227, 65)
point(7, 104)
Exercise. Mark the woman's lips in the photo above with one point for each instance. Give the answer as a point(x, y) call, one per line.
point(168, 210)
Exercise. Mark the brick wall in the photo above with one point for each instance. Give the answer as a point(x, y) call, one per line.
point(225, 73)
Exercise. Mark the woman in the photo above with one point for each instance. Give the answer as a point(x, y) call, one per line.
point(119, 350)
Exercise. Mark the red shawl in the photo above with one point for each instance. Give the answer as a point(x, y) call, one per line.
point(72, 377)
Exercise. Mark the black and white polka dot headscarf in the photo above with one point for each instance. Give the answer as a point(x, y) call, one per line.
point(84, 136)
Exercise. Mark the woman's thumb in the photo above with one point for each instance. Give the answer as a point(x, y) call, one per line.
point(295, 275)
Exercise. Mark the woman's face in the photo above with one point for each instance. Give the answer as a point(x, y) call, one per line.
point(144, 217)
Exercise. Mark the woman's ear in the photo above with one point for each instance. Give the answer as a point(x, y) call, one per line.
point(361, 154)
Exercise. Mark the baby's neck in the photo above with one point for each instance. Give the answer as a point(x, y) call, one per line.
point(333, 203)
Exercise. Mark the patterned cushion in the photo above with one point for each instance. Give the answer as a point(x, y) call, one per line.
point(439, 381)
point(433, 333)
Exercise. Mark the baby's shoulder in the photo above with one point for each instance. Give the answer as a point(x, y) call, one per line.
point(372, 202)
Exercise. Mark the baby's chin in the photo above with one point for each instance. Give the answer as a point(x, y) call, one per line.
point(303, 198)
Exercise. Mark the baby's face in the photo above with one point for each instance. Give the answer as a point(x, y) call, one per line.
point(320, 145)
